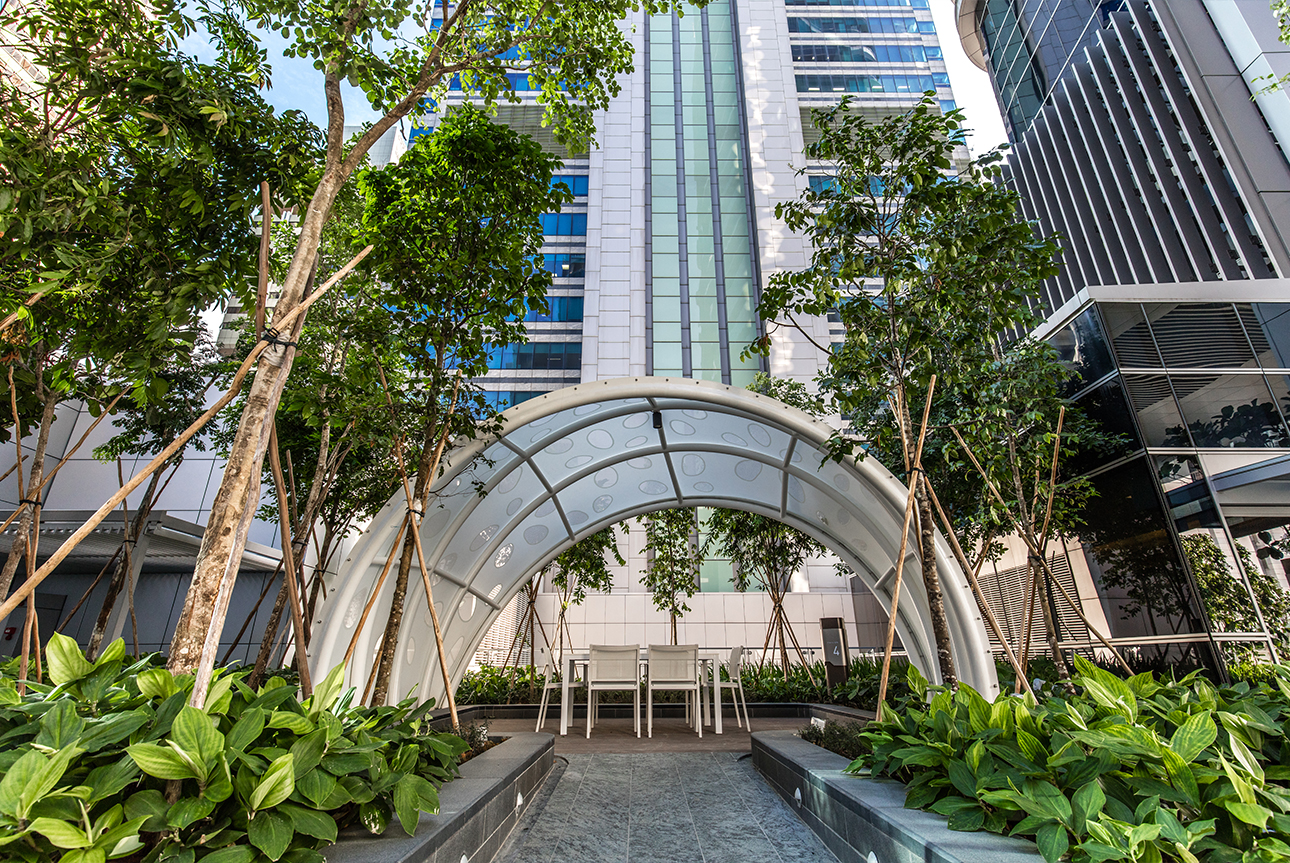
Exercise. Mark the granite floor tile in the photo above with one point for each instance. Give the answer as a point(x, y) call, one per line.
point(677, 807)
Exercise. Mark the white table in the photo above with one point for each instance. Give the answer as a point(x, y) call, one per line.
point(706, 657)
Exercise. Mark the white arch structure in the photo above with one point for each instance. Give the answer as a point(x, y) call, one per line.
point(574, 461)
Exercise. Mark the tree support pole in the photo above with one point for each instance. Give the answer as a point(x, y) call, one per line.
point(289, 565)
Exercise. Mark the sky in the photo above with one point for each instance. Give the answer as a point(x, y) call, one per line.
point(297, 85)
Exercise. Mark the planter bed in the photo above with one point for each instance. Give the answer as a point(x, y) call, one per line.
point(477, 810)
point(865, 820)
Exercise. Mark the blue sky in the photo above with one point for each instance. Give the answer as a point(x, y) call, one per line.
point(296, 84)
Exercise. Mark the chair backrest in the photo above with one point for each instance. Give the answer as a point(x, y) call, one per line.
point(736, 658)
point(673, 663)
point(614, 662)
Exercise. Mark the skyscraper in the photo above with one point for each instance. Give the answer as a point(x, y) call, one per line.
point(1141, 134)
point(659, 261)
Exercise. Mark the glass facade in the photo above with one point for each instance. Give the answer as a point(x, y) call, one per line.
point(1185, 538)
point(701, 270)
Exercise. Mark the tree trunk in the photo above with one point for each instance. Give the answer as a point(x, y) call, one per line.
point(22, 534)
point(270, 636)
point(390, 642)
point(932, 584)
point(1050, 622)
point(196, 638)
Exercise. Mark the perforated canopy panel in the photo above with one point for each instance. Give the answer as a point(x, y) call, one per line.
point(574, 461)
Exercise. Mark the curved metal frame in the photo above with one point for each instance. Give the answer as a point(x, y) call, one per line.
point(555, 475)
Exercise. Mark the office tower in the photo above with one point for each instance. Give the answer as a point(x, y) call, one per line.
point(1141, 134)
point(659, 260)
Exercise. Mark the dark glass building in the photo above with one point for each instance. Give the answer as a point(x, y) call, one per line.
point(1140, 134)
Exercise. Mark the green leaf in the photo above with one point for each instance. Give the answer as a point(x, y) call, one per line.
point(1246, 758)
point(406, 801)
point(967, 820)
point(66, 662)
point(111, 729)
point(231, 854)
point(1180, 774)
point(275, 785)
point(247, 729)
point(1191, 738)
point(316, 785)
point(187, 810)
point(160, 761)
point(114, 652)
point(1052, 841)
point(326, 692)
point(194, 732)
point(271, 832)
point(40, 780)
point(149, 805)
point(1248, 813)
point(375, 816)
point(310, 822)
point(293, 722)
point(308, 751)
point(1086, 804)
point(110, 779)
point(60, 833)
point(60, 726)
point(157, 683)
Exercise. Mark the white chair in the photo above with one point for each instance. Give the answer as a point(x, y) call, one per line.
point(553, 682)
point(613, 668)
point(736, 683)
point(674, 667)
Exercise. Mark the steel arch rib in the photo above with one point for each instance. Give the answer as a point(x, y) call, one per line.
point(854, 509)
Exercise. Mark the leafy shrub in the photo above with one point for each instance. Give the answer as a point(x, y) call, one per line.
point(1137, 770)
point(843, 738)
point(111, 762)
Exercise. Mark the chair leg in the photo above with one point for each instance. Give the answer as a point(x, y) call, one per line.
point(636, 709)
point(747, 721)
point(649, 710)
point(698, 713)
point(590, 699)
point(546, 694)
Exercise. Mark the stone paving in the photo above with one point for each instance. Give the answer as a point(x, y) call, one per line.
point(661, 807)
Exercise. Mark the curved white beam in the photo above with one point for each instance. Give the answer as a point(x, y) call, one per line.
point(574, 461)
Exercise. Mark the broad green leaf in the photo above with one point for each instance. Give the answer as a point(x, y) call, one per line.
point(186, 810)
point(1244, 792)
point(157, 683)
point(46, 775)
point(1191, 738)
point(375, 816)
point(326, 692)
point(308, 751)
point(247, 729)
point(275, 785)
point(66, 662)
point(60, 833)
point(219, 696)
point(1180, 774)
point(1246, 758)
point(310, 822)
point(271, 832)
point(114, 652)
point(160, 761)
point(293, 722)
point(109, 779)
point(1248, 813)
point(316, 785)
point(231, 854)
point(1053, 842)
point(406, 800)
point(149, 805)
point(194, 732)
point(1086, 804)
point(60, 726)
point(968, 820)
point(112, 728)
point(1032, 748)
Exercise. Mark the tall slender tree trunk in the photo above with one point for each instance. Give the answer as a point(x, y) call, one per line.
point(932, 584)
point(22, 533)
point(197, 632)
point(270, 636)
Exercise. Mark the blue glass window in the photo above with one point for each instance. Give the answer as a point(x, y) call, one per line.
point(907, 4)
point(564, 224)
point(934, 52)
point(566, 266)
point(519, 82)
point(864, 83)
point(948, 105)
point(504, 399)
point(859, 54)
point(537, 355)
point(562, 310)
point(577, 183)
point(853, 25)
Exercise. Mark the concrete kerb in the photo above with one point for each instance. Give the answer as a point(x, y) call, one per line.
point(865, 820)
point(477, 810)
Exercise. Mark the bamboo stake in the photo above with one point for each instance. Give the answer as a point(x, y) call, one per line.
point(915, 468)
point(179, 443)
point(289, 565)
point(13, 316)
point(976, 585)
point(1032, 590)
point(376, 591)
point(89, 590)
point(1075, 606)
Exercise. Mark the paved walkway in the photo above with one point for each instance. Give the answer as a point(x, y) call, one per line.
point(670, 735)
point(663, 807)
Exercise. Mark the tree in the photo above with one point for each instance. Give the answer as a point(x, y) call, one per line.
point(146, 429)
point(579, 569)
point(128, 173)
point(456, 227)
point(672, 573)
point(762, 550)
point(571, 51)
point(921, 264)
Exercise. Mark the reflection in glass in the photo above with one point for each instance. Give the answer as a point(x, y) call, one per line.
point(1269, 327)
point(1158, 417)
point(1108, 407)
point(1130, 335)
point(1228, 411)
point(1144, 588)
point(1200, 335)
point(1082, 348)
